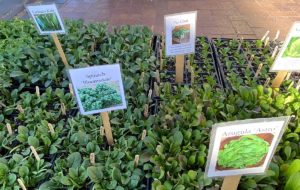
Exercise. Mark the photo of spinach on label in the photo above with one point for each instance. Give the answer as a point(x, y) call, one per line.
point(181, 34)
point(293, 48)
point(246, 151)
point(104, 95)
point(48, 22)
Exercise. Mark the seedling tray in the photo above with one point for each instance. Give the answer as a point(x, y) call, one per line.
point(232, 61)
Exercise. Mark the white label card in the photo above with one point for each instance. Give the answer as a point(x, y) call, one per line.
point(46, 18)
point(244, 147)
point(288, 59)
point(180, 31)
point(98, 88)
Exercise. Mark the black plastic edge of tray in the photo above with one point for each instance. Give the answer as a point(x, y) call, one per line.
point(218, 64)
point(226, 83)
point(215, 63)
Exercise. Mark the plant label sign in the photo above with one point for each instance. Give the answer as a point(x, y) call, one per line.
point(180, 31)
point(288, 59)
point(98, 88)
point(244, 147)
point(46, 18)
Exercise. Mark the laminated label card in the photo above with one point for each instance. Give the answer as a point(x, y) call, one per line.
point(180, 32)
point(98, 88)
point(288, 58)
point(46, 18)
point(244, 147)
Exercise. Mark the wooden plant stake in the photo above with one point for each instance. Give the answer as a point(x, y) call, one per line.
point(146, 112)
point(60, 50)
point(157, 76)
point(265, 36)
point(63, 108)
point(144, 134)
point(92, 158)
point(107, 128)
point(250, 61)
point(258, 70)
point(37, 157)
point(102, 132)
point(277, 35)
point(156, 89)
point(281, 75)
point(267, 82)
point(37, 91)
point(179, 65)
point(136, 160)
point(192, 76)
point(298, 85)
point(71, 89)
point(279, 79)
point(9, 129)
point(51, 129)
point(267, 41)
point(21, 184)
point(150, 95)
point(162, 40)
point(161, 63)
point(20, 109)
point(274, 52)
point(288, 76)
point(231, 182)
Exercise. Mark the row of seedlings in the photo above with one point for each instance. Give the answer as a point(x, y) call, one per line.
point(79, 152)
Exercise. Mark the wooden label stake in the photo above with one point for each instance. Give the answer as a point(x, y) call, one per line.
point(21, 184)
point(267, 82)
point(267, 41)
point(51, 129)
point(71, 89)
point(107, 128)
point(157, 76)
point(9, 129)
point(274, 52)
point(37, 91)
point(20, 109)
point(146, 110)
point(156, 89)
point(150, 95)
point(144, 134)
point(60, 50)
point(265, 36)
point(288, 76)
point(298, 85)
point(231, 182)
point(161, 59)
point(35, 153)
point(92, 158)
point(136, 160)
point(192, 76)
point(179, 65)
point(279, 79)
point(63, 108)
point(250, 61)
point(277, 35)
point(258, 70)
point(102, 133)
